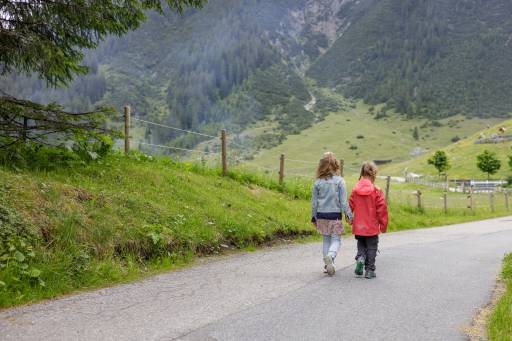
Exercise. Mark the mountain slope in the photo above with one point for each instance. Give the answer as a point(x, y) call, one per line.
point(357, 134)
point(432, 58)
point(181, 70)
point(462, 157)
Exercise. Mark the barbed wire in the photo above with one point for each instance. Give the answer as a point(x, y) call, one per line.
point(249, 164)
point(173, 128)
point(301, 175)
point(302, 161)
point(300, 168)
point(174, 148)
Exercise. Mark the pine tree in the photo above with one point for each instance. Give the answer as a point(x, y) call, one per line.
point(416, 134)
point(47, 38)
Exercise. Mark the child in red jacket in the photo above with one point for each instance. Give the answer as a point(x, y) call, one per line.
point(370, 218)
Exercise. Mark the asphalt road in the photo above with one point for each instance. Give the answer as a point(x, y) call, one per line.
point(429, 285)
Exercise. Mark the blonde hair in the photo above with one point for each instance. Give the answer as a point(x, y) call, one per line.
point(328, 166)
point(368, 170)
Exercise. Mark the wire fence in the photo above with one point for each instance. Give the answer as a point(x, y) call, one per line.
point(175, 148)
point(222, 143)
point(173, 128)
point(218, 150)
point(435, 199)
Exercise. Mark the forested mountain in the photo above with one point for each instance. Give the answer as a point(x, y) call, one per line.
point(238, 61)
point(426, 57)
point(231, 63)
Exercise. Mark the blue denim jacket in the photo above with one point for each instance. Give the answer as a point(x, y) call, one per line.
point(329, 199)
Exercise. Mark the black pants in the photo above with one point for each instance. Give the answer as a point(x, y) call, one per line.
point(367, 247)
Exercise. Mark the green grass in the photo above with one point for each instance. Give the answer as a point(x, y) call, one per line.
point(121, 219)
point(386, 138)
point(462, 156)
point(500, 323)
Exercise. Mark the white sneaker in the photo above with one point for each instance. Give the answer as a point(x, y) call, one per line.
point(329, 266)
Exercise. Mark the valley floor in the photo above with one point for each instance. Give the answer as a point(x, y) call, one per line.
point(356, 136)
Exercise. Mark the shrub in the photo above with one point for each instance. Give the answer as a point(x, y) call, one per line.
point(16, 250)
point(360, 136)
point(35, 156)
point(416, 134)
point(509, 181)
point(456, 138)
point(353, 147)
point(380, 115)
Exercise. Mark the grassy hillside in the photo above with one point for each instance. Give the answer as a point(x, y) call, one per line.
point(356, 135)
point(462, 157)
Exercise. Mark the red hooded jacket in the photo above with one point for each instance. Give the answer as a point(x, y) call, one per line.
point(369, 208)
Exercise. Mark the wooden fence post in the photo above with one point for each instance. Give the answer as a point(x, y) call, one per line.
point(281, 169)
point(445, 202)
point(471, 206)
point(491, 201)
point(342, 166)
point(506, 200)
point(126, 129)
point(418, 194)
point(224, 152)
point(388, 181)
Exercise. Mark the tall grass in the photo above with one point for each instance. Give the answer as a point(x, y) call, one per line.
point(500, 323)
point(123, 218)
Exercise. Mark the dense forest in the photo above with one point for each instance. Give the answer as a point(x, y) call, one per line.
point(236, 62)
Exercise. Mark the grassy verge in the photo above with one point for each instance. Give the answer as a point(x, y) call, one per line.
point(500, 323)
point(123, 218)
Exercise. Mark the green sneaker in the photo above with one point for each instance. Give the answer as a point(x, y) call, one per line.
point(359, 266)
point(370, 274)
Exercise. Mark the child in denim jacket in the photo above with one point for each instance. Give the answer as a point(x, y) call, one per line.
point(329, 202)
